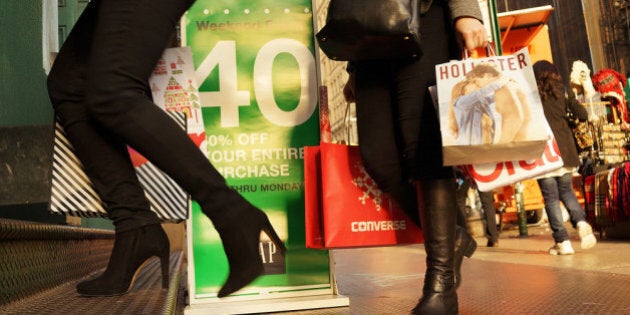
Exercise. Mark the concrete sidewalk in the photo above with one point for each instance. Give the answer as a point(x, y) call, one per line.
point(519, 277)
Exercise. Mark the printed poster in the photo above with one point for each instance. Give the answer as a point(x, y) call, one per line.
point(255, 65)
point(174, 88)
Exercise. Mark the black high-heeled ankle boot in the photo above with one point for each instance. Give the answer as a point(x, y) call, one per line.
point(439, 296)
point(438, 217)
point(465, 245)
point(131, 250)
point(239, 229)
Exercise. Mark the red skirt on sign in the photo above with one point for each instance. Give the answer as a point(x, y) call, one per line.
point(344, 206)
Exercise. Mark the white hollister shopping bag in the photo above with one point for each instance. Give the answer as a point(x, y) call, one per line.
point(490, 110)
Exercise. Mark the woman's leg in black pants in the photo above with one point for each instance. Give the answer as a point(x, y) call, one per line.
point(129, 38)
point(487, 203)
point(126, 40)
point(437, 187)
point(106, 161)
point(104, 155)
point(378, 137)
point(108, 70)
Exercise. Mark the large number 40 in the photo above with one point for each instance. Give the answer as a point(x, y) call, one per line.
point(229, 98)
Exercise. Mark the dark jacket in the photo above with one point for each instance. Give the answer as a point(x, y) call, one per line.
point(555, 112)
point(458, 8)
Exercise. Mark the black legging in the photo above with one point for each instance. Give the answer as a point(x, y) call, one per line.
point(487, 204)
point(399, 132)
point(99, 88)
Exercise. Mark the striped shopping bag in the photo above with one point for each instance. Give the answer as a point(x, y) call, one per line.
point(73, 193)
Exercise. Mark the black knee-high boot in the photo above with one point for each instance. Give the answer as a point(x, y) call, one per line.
point(465, 245)
point(90, 66)
point(238, 222)
point(439, 216)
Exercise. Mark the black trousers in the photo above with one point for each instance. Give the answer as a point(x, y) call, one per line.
point(398, 126)
point(487, 204)
point(99, 89)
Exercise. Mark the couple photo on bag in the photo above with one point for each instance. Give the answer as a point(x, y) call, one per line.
point(490, 110)
point(487, 107)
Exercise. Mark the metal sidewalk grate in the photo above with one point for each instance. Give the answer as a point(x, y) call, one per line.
point(146, 296)
point(35, 257)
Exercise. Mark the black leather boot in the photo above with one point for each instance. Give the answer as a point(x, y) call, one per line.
point(131, 250)
point(465, 245)
point(239, 227)
point(438, 216)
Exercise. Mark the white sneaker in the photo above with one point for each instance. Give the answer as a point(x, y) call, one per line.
point(586, 235)
point(563, 248)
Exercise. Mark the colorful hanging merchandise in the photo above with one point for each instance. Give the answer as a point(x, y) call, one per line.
point(620, 193)
point(610, 84)
point(607, 196)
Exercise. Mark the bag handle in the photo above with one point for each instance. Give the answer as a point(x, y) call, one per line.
point(489, 51)
point(346, 122)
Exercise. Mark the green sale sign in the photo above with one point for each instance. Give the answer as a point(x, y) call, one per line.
point(256, 70)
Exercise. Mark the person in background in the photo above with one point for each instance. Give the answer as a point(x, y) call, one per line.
point(99, 89)
point(399, 131)
point(557, 186)
point(489, 210)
